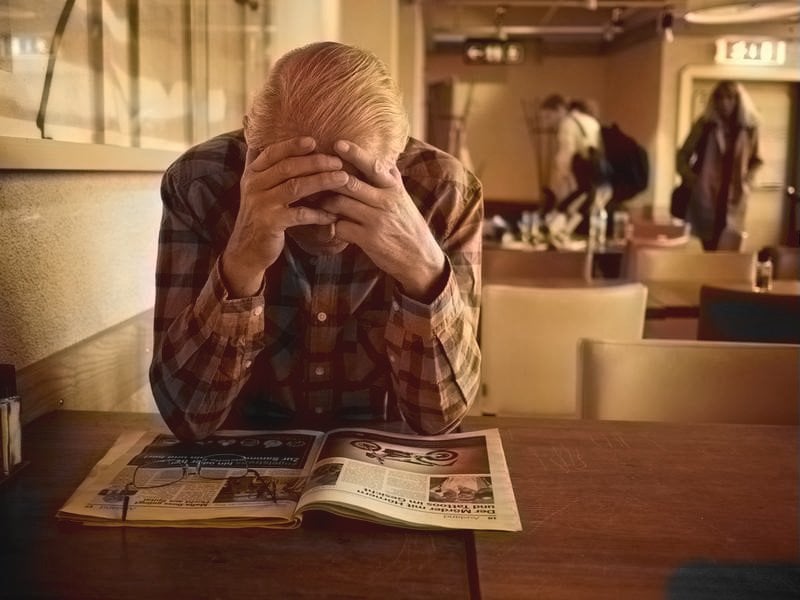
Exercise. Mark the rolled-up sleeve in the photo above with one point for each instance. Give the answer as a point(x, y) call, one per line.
point(432, 348)
point(204, 342)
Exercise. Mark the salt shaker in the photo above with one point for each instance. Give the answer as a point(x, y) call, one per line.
point(10, 432)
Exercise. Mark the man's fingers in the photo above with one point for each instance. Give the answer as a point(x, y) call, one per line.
point(296, 188)
point(305, 215)
point(352, 233)
point(252, 154)
point(348, 208)
point(296, 166)
point(375, 170)
point(274, 153)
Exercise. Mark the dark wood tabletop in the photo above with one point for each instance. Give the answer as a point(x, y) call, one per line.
point(609, 510)
point(645, 510)
point(327, 556)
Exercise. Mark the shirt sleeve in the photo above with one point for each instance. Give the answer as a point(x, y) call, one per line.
point(204, 342)
point(432, 348)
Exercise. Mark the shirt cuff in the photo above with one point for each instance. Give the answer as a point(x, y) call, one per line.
point(240, 319)
point(427, 320)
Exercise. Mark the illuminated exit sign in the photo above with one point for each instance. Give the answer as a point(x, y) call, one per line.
point(493, 52)
point(750, 51)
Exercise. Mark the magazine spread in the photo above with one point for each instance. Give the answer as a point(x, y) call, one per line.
point(269, 478)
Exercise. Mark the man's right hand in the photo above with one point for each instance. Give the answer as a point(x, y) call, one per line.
point(272, 181)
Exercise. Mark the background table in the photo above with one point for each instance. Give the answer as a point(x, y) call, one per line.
point(327, 556)
point(645, 510)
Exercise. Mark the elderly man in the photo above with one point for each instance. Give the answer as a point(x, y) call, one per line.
point(319, 267)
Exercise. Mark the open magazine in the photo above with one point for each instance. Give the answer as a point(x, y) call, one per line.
point(270, 478)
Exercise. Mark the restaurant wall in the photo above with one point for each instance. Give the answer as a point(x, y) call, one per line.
point(77, 256)
point(77, 249)
point(637, 87)
point(697, 49)
point(502, 150)
point(631, 99)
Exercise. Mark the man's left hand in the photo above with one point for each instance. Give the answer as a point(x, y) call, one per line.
point(377, 214)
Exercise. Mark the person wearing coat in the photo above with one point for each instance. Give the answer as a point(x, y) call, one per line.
point(718, 159)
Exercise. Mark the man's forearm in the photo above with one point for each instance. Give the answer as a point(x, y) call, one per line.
point(239, 279)
point(203, 357)
point(435, 359)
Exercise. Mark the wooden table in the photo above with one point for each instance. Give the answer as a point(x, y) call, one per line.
point(609, 510)
point(644, 510)
point(328, 556)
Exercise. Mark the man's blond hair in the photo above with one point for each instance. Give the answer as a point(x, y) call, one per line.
point(329, 91)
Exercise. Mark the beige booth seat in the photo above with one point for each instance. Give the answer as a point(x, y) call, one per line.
point(689, 381)
point(529, 342)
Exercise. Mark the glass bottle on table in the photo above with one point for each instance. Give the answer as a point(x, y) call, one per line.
point(598, 222)
point(763, 275)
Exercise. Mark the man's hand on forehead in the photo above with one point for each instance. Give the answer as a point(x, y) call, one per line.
point(376, 213)
point(376, 170)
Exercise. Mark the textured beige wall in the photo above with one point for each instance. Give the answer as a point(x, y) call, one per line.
point(632, 96)
point(637, 87)
point(502, 151)
point(77, 255)
point(697, 50)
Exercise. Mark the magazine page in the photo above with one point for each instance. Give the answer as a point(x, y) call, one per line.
point(456, 481)
point(233, 478)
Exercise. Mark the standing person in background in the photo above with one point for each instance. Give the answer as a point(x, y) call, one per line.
point(718, 160)
point(571, 172)
point(320, 266)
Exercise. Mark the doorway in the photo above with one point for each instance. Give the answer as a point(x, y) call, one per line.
point(776, 97)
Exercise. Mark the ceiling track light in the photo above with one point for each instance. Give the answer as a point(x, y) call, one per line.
point(499, 16)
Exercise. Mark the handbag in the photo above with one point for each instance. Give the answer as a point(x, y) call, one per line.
point(679, 201)
point(681, 195)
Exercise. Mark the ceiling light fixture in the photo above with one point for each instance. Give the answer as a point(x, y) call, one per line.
point(726, 12)
point(499, 16)
point(667, 20)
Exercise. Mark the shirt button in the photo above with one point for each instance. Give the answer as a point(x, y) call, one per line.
point(258, 310)
point(322, 317)
point(319, 371)
point(248, 364)
point(395, 305)
point(392, 358)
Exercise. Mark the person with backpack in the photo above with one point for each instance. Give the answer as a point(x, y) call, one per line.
point(718, 161)
point(576, 167)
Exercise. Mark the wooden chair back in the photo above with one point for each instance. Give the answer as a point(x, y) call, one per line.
point(748, 316)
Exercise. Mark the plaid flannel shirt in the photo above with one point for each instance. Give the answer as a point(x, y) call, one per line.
point(328, 339)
